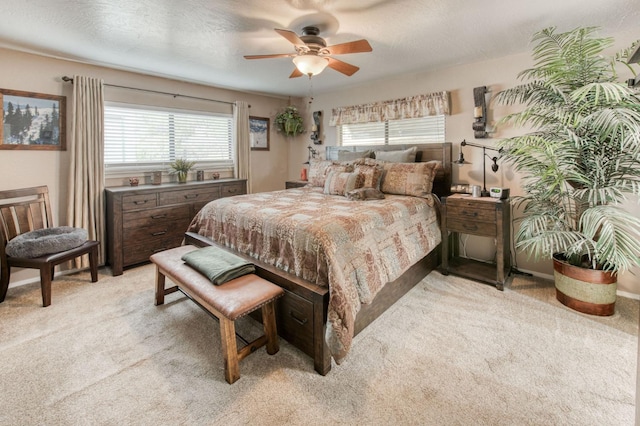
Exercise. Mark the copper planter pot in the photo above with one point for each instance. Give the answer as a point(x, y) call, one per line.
point(585, 290)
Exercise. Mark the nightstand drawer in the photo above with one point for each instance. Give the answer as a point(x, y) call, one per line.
point(486, 228)
point(473, 213)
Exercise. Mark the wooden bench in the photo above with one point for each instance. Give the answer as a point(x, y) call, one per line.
point(227, 302)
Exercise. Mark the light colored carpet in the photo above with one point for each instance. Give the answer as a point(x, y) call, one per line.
point(451, 352)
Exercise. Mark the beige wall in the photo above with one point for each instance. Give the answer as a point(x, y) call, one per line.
point(33, 73)
point(496, 74)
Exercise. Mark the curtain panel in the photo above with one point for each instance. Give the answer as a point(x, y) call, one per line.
point(86, 177)
point(397, 109)
point(243, 146)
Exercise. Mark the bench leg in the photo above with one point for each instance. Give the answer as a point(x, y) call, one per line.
point(270, 329)
point(229, 350)
point(159, 287)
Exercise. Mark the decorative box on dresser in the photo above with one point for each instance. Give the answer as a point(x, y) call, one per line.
point(482, 216)
point(143, 220)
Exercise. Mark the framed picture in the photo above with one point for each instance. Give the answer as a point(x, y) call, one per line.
point(32, 121)
point(259, 133)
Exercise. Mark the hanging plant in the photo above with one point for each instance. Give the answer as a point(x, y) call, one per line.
point(289, 121)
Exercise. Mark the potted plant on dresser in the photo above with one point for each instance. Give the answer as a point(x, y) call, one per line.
point(181, 168)
point(578, 164)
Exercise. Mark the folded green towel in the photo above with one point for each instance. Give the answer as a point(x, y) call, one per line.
point(217, 264)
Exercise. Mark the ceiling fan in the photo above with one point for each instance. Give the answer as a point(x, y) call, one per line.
point(313, 55)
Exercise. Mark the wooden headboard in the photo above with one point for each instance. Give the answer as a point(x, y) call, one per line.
point(425, 152)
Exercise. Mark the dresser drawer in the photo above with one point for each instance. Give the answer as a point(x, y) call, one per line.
point(138, 219)
point(486, 229)
point(477, 211)
point(189, 196)
point(137, 202)
point(231, 189)
point(138, 252)
point(164, 229)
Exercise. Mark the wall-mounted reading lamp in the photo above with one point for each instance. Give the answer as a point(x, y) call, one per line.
point(313, 154)
point(634, 58)
point(494, 166)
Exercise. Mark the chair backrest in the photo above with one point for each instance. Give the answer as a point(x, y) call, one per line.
point(23, 210)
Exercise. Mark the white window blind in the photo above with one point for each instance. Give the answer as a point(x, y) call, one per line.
point(394, 132)
point(144, 138)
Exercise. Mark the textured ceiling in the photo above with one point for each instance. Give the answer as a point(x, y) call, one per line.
point(204, 41)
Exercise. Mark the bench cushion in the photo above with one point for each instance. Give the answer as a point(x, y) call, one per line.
point(232, 299)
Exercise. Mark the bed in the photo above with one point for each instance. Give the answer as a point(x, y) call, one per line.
point(369, 253)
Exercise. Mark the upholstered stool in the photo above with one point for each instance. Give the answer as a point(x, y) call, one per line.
point(227, 302)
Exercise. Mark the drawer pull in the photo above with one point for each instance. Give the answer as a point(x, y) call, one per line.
point(190, 196)
point(298, 320)
point(158, 216)
point(138, 202)
point(155, 234)
point(469, 227)
point(473, 214)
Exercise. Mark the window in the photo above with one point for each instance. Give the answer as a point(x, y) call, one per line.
point(145, 138)
point(393, 132)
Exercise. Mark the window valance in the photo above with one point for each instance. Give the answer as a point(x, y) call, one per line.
point(397, 109)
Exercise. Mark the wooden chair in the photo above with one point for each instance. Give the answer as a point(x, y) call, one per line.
point(28, 209)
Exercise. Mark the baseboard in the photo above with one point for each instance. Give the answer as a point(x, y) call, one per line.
point(628, 295)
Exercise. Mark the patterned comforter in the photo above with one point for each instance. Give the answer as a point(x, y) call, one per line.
point(354, 247)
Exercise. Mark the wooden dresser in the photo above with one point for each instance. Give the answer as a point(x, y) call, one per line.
point(146, 219)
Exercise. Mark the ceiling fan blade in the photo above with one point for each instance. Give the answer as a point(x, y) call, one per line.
point(342, 67)
point(276, 55)
point(291, 36)
point(296, 73)
point(357, 46)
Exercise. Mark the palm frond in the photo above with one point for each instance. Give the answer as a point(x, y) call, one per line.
point(582, 157)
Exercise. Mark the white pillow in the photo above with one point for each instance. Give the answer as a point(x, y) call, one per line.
point(406, 156)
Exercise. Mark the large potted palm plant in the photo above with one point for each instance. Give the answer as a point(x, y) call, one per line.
point(579, 163)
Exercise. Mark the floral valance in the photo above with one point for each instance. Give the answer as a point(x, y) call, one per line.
point(397, 109)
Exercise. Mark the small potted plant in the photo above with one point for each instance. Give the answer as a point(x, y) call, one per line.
point(181, 168)
point(289, 121)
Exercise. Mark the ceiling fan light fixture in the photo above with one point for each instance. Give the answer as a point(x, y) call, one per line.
point(310, 64)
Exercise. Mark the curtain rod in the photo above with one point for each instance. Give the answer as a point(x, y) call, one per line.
point(175, 95)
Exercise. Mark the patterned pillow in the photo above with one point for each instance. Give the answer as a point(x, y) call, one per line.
point(406, 156)
point(339, 183)
point(364, 194)
point(414, 179)
point(319, 169)
point(372, 175)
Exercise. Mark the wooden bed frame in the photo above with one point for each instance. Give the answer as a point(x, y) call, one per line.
point(302, 312)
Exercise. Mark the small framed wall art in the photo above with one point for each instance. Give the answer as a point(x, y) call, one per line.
point(32, 121)
point(259, 133)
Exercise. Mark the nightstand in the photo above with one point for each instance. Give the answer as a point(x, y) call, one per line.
point(482, 216)
point(295, 183)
